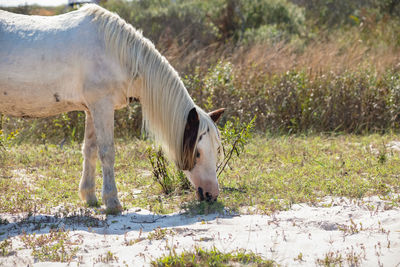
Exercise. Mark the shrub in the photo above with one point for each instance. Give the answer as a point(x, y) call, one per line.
point(167, 176)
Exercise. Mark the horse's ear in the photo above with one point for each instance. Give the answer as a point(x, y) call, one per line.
point(216, 114)
point(189, 139)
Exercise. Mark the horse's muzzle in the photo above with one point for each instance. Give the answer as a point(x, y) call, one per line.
point(205, 196)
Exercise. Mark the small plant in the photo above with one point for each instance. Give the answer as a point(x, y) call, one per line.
point(161, 172)
point(235, 135)
point(337, 259)
point(7, 139)
point(299, 257)
point(352, 229)
point(331, 259)
point(159, 233)
point(212, 257)
point(133, 241)
point(107, 258)
point(166, 175)
point(1, 140)
point(382, 158)
point(55, 246)
point(5, 247)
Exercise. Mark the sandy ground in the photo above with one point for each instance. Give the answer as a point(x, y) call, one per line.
point(363, 232)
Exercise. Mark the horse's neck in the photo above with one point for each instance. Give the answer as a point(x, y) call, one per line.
point(165, 102)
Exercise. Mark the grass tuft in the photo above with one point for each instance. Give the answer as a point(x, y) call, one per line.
point(213, 257)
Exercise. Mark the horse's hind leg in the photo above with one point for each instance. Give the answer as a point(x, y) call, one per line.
point(87, 185)
point(103, 118)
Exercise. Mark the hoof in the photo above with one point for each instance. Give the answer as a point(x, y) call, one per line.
point(89, 197)
point(112, 206)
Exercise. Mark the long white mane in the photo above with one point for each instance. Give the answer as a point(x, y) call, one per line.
point(164, 98)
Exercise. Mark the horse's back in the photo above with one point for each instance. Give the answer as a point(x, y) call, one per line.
point(43, 60)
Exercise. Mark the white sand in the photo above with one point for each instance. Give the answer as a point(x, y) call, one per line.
point(366, 232)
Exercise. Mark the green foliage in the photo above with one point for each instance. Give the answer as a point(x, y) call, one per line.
point(278, 16)
point(5, 247)
point(209, 21)
point(213, 257)
point(160, 172)
point(235, 135)
point(6, 140)
point(301, 101)
point(167, 19)
point(358, 102)
point(167, 176)
point(159, 233)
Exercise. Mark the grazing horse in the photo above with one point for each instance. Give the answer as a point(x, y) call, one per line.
point(89, 60)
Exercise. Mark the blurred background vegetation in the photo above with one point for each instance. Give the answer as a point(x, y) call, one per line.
point(300, 66)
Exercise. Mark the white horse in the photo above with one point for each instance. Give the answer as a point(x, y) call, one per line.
point(88, 60)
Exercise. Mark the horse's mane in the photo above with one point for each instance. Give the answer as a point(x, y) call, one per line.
point(164, 98)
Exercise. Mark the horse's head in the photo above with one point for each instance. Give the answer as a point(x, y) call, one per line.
point(201, 146)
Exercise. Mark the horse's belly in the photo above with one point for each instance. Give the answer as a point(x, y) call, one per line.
point(38, 112)
point(37, 102)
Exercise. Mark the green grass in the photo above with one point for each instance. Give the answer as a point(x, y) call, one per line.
point(272, 174)
point(212, 257)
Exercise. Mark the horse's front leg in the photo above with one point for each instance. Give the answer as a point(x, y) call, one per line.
point(87, 185)
point(103, 118)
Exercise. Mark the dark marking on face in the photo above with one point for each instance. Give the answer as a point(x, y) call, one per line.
point(43, 57)
point(4, 93)
point(189, 140)
point(57, 97)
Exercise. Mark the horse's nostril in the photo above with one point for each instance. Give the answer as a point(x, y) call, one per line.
point(208, 196)
point(200, 193)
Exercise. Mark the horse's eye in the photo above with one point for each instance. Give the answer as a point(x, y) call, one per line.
point(197, 154)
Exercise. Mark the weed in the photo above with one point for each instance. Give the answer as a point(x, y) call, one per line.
point(159, 233)
point(351, 257)
point(134, 241)
point(331, 259)
point(107, 258)
point(352, 229)
point(55, 246)
point(5, 247)
point(299, 257)
point(160, 172)
point(212, 257)
point(235, 135)
point(170, 179)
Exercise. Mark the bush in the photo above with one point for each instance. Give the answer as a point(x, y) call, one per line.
point(300, 101)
